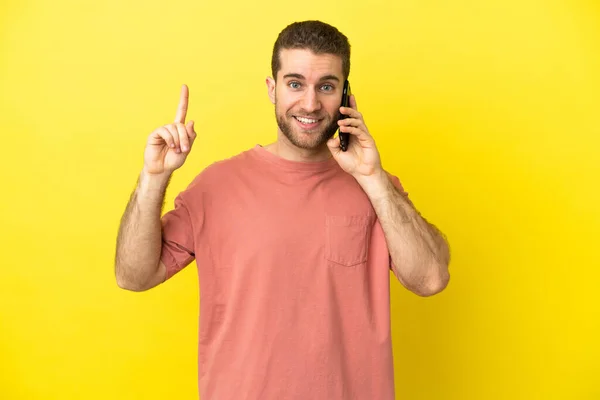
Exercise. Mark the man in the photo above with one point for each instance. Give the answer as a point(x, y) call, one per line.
point(294, 240)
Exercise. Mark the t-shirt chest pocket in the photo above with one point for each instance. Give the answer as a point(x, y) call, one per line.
point(347, 239)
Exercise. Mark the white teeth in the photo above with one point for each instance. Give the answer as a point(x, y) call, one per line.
point(306, 120)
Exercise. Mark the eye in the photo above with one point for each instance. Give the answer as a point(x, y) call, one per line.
point(327, 87)
point(294, 84)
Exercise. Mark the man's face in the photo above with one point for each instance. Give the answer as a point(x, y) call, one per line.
point(307, 96)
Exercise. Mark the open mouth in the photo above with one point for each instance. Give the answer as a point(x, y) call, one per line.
point(307, 123)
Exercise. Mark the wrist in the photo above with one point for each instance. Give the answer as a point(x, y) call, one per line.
point(375, 185)
point(151, 182)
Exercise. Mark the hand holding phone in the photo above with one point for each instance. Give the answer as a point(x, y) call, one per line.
point(345, 136)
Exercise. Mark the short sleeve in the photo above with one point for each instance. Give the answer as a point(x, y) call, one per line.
point(177, 238)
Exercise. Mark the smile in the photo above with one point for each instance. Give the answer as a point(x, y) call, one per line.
point(307, 123)
point(307, 120)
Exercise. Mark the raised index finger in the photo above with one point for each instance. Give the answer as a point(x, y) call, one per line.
point(183, 105)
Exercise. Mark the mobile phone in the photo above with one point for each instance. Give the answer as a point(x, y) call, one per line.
point(345, 136)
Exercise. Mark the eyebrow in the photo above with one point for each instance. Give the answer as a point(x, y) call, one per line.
point(323, 78)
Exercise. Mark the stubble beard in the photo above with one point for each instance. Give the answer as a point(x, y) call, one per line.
point(309, 141)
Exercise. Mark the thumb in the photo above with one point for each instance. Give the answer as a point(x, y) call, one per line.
point(334, 142)
point(189, 127)
point(334, 145)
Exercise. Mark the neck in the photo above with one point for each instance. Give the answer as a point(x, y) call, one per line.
point(286, 150)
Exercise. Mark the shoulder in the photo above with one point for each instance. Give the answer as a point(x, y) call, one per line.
point(217, 173)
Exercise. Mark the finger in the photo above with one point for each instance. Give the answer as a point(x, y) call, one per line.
point(334, 142)
point(175, 134)
point(353, 102)
point(189, 127)
point(163, 134)
point(351, 122)
point(351, 112)
point(183, 105)
point(184, 142)
point(354, 131)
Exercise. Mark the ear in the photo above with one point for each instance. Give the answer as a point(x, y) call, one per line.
point(271, 88)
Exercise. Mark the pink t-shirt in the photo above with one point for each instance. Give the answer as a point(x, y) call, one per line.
point(294, 278)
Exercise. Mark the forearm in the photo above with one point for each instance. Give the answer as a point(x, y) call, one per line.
point(419, 252)
point(140, 237)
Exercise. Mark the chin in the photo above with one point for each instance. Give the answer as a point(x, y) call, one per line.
point(307, 140)
point(314, 140)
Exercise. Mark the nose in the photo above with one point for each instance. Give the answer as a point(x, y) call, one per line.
point(310, 101)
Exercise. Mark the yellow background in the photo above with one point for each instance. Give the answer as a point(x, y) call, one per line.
point(488, 111)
